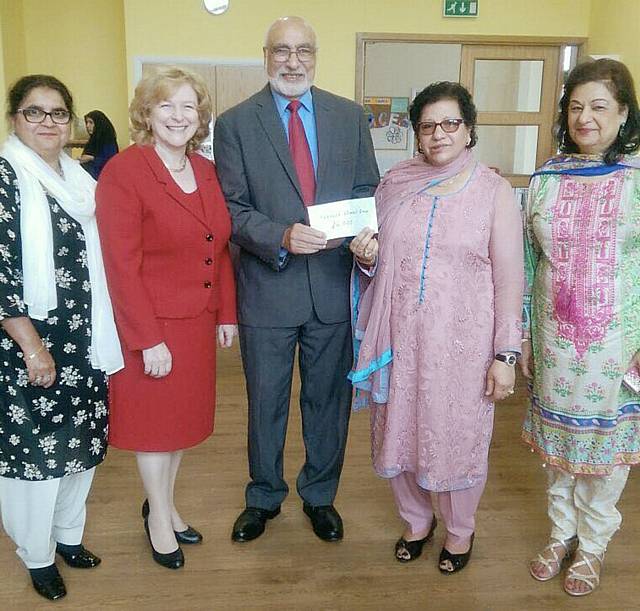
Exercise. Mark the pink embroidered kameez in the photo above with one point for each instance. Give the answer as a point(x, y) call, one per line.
point(455, 301)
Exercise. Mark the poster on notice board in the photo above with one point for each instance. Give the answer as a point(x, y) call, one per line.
point(388, 122)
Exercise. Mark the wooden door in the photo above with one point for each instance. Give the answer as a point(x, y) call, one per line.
point(515, 89)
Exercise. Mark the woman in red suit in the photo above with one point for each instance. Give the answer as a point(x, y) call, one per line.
point(164, 228)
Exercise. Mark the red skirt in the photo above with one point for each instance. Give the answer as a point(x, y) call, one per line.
point(175, 412)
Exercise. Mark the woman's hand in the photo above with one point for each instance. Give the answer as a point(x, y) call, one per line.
point(501, 379)
point(225, 335)
point(526, 360)
point(157, 361)
point(41, 368)
point(365, 247)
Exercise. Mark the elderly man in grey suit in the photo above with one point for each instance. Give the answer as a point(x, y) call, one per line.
point(289, 146)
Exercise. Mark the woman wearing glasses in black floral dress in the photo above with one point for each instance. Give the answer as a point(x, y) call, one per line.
point(57, 336)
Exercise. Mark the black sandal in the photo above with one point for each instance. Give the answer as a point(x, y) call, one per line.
point(406, 551)
point(458, 561)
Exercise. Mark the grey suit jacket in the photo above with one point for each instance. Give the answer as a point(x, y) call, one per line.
point(263, 194)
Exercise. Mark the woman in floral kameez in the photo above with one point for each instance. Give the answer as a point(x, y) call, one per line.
point(582, 314)
point(57, 336)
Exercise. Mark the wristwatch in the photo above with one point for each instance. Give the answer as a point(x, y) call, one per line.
point(506, 357)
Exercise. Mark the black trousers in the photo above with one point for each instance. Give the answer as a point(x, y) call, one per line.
point(325, 358)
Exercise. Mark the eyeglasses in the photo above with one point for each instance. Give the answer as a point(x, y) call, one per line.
point(37, 115)
point(282, 54)
point(449, 126)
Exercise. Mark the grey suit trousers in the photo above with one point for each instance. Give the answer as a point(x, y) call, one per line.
point(325, 357)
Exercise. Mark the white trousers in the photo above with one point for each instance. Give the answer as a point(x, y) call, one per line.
point(585, 505)
point(37, 515)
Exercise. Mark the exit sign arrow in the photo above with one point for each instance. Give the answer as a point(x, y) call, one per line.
point(460, 8)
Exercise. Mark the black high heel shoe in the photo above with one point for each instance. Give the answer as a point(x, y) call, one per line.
point(406, 551)
point(172, 560)
point(190, 536)
point(456, 561)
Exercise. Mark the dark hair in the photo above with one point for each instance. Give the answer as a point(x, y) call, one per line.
point(446, 90)
point(23, 86)
point(618, 80)
point(103, 134)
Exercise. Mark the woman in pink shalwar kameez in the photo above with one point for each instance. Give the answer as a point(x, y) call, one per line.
point(438, 323)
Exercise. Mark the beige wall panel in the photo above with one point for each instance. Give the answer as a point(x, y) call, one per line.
point(236, 83)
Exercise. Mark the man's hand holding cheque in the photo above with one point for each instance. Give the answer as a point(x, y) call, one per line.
point(301, 239)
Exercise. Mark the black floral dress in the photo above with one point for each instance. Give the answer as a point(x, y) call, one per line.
point(53, 432)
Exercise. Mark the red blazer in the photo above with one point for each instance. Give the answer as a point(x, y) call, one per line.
point(162, 259)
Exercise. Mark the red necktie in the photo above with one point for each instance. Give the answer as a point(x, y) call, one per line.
point(301, 155)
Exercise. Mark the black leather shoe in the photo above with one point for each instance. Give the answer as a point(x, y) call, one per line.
point(326, 521)
point(190, 536)
point(48, 582)
point(172, 560)
point(79, 558)
point(251, 522)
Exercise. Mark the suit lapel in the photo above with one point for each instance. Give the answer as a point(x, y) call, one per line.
point(272, 125)
point(324, 132)
point(170, 186)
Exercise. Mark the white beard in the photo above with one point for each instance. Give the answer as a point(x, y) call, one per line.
point(289, 90)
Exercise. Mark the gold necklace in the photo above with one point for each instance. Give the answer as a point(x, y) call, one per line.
point(183, 165)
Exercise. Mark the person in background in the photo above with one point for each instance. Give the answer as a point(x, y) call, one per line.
point(438, 323)
point(287, 147)
point(57, 336)
point(582, 318)
point(102, 143)
point(165, 229)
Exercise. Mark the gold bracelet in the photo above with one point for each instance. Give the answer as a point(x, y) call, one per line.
point(35, 354)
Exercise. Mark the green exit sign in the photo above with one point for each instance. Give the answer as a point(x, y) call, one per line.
point(460, 8)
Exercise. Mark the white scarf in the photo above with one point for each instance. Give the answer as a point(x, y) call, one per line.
point(76, 196)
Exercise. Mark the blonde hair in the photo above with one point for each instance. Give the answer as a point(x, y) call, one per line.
point(160, 86)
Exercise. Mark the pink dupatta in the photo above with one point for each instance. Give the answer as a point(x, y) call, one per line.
point(371, 297)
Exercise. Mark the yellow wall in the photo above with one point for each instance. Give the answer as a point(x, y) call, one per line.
point(12, 51)
point(81, 43)
point(13, 47)
point(615, 28)
point(183, 28)
point(92, 45)
point(3, 126)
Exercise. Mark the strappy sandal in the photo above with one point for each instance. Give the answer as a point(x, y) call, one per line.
point(592, 578)
point(551, 559)
point(406, 551)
